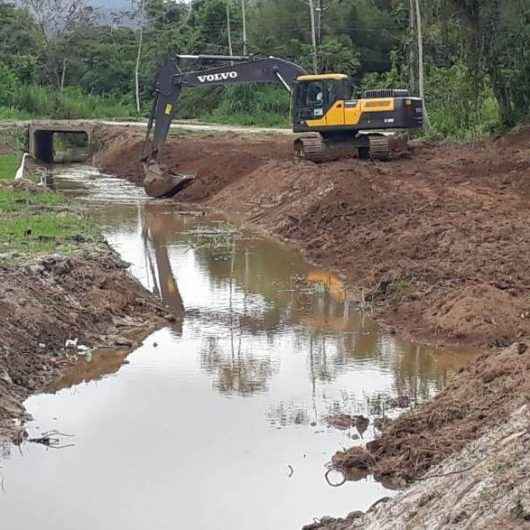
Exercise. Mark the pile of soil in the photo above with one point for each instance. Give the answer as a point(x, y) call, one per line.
point(216, 161)
point(485, 486)
point(480, 397)
point(88, 298)
point(439, 239)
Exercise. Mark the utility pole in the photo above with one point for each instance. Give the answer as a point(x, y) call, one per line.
point(319, 22)
point(230, 50)
point(420, 64)
point(313, 37)
point(139, 56)
point(413, 84)
point(244, 15)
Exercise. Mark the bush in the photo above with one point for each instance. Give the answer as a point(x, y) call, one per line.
point(72, 103)
point(9, 85)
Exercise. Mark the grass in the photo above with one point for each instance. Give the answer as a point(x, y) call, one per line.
point(8, 166)
point(36, 223)
point(259, 119)
point(43, 233)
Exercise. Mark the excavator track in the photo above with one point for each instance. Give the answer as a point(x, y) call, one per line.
point(379, 147)
point(316, 149)
point(310, 148)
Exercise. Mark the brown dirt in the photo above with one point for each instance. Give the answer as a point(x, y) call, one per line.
point(440, 240)
point(482, 396)
point(89, 297)
point(215, 161)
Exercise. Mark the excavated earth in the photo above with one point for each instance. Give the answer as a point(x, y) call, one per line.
point(86, 299)
point(439, 241)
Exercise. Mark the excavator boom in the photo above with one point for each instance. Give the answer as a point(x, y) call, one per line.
point(169, 83)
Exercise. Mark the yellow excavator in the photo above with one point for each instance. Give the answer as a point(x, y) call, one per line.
point(332, 121)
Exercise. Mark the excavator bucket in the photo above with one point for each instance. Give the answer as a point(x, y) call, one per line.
point(159, 184)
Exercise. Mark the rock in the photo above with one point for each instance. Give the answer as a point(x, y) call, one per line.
point(171, 318)
point(36, 269)
point(340, 421)
point(57, 264)
point(361, 423)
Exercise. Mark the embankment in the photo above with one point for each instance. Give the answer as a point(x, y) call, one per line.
point(440, 240)
point(64, 291)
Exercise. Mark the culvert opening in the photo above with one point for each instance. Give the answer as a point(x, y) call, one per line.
point(61, 146)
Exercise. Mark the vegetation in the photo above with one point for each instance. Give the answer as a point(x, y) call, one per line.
point(63, 59)
point(35, 222)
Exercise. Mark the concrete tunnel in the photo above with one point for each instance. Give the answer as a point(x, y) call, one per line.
point(43, 139)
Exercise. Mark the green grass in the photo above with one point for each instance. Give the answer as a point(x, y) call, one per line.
point(8, 166)
point(259, 119)
point(22, 201)
point(43, 233)
point(34, 101)
point(31, 223)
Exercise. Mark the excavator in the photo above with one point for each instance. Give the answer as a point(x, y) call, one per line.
point(332, 122)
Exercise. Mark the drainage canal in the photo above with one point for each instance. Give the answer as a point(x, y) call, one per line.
point(220, 421)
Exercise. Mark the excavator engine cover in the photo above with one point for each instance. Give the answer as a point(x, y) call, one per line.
point(159, 184)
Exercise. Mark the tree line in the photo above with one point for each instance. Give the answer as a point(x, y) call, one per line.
point(66, 58)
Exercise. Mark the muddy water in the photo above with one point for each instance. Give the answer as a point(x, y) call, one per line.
point(219, 421)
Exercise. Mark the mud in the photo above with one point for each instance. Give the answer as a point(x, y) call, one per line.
point(51, 307)
point(480, 397)
point(440, 240)
point(483, 486)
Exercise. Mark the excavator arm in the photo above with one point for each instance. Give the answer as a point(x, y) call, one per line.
point(169, 84)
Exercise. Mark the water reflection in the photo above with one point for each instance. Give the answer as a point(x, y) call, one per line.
point(251, 288)
point(222, 424)
point(157, 231)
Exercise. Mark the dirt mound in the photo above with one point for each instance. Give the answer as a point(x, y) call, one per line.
point(482, 396)
point(485, 486)
point(84, 298)
point(479, 310)
point(215, 161)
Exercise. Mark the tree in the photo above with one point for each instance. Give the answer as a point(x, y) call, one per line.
point(55, 19)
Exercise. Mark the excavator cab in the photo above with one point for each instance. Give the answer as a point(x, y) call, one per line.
point(372, 126)
point(314, 96)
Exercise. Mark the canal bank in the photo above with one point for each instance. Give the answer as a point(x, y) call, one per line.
point(65, 293)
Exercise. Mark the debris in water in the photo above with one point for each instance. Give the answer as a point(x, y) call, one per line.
point(51, 439)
